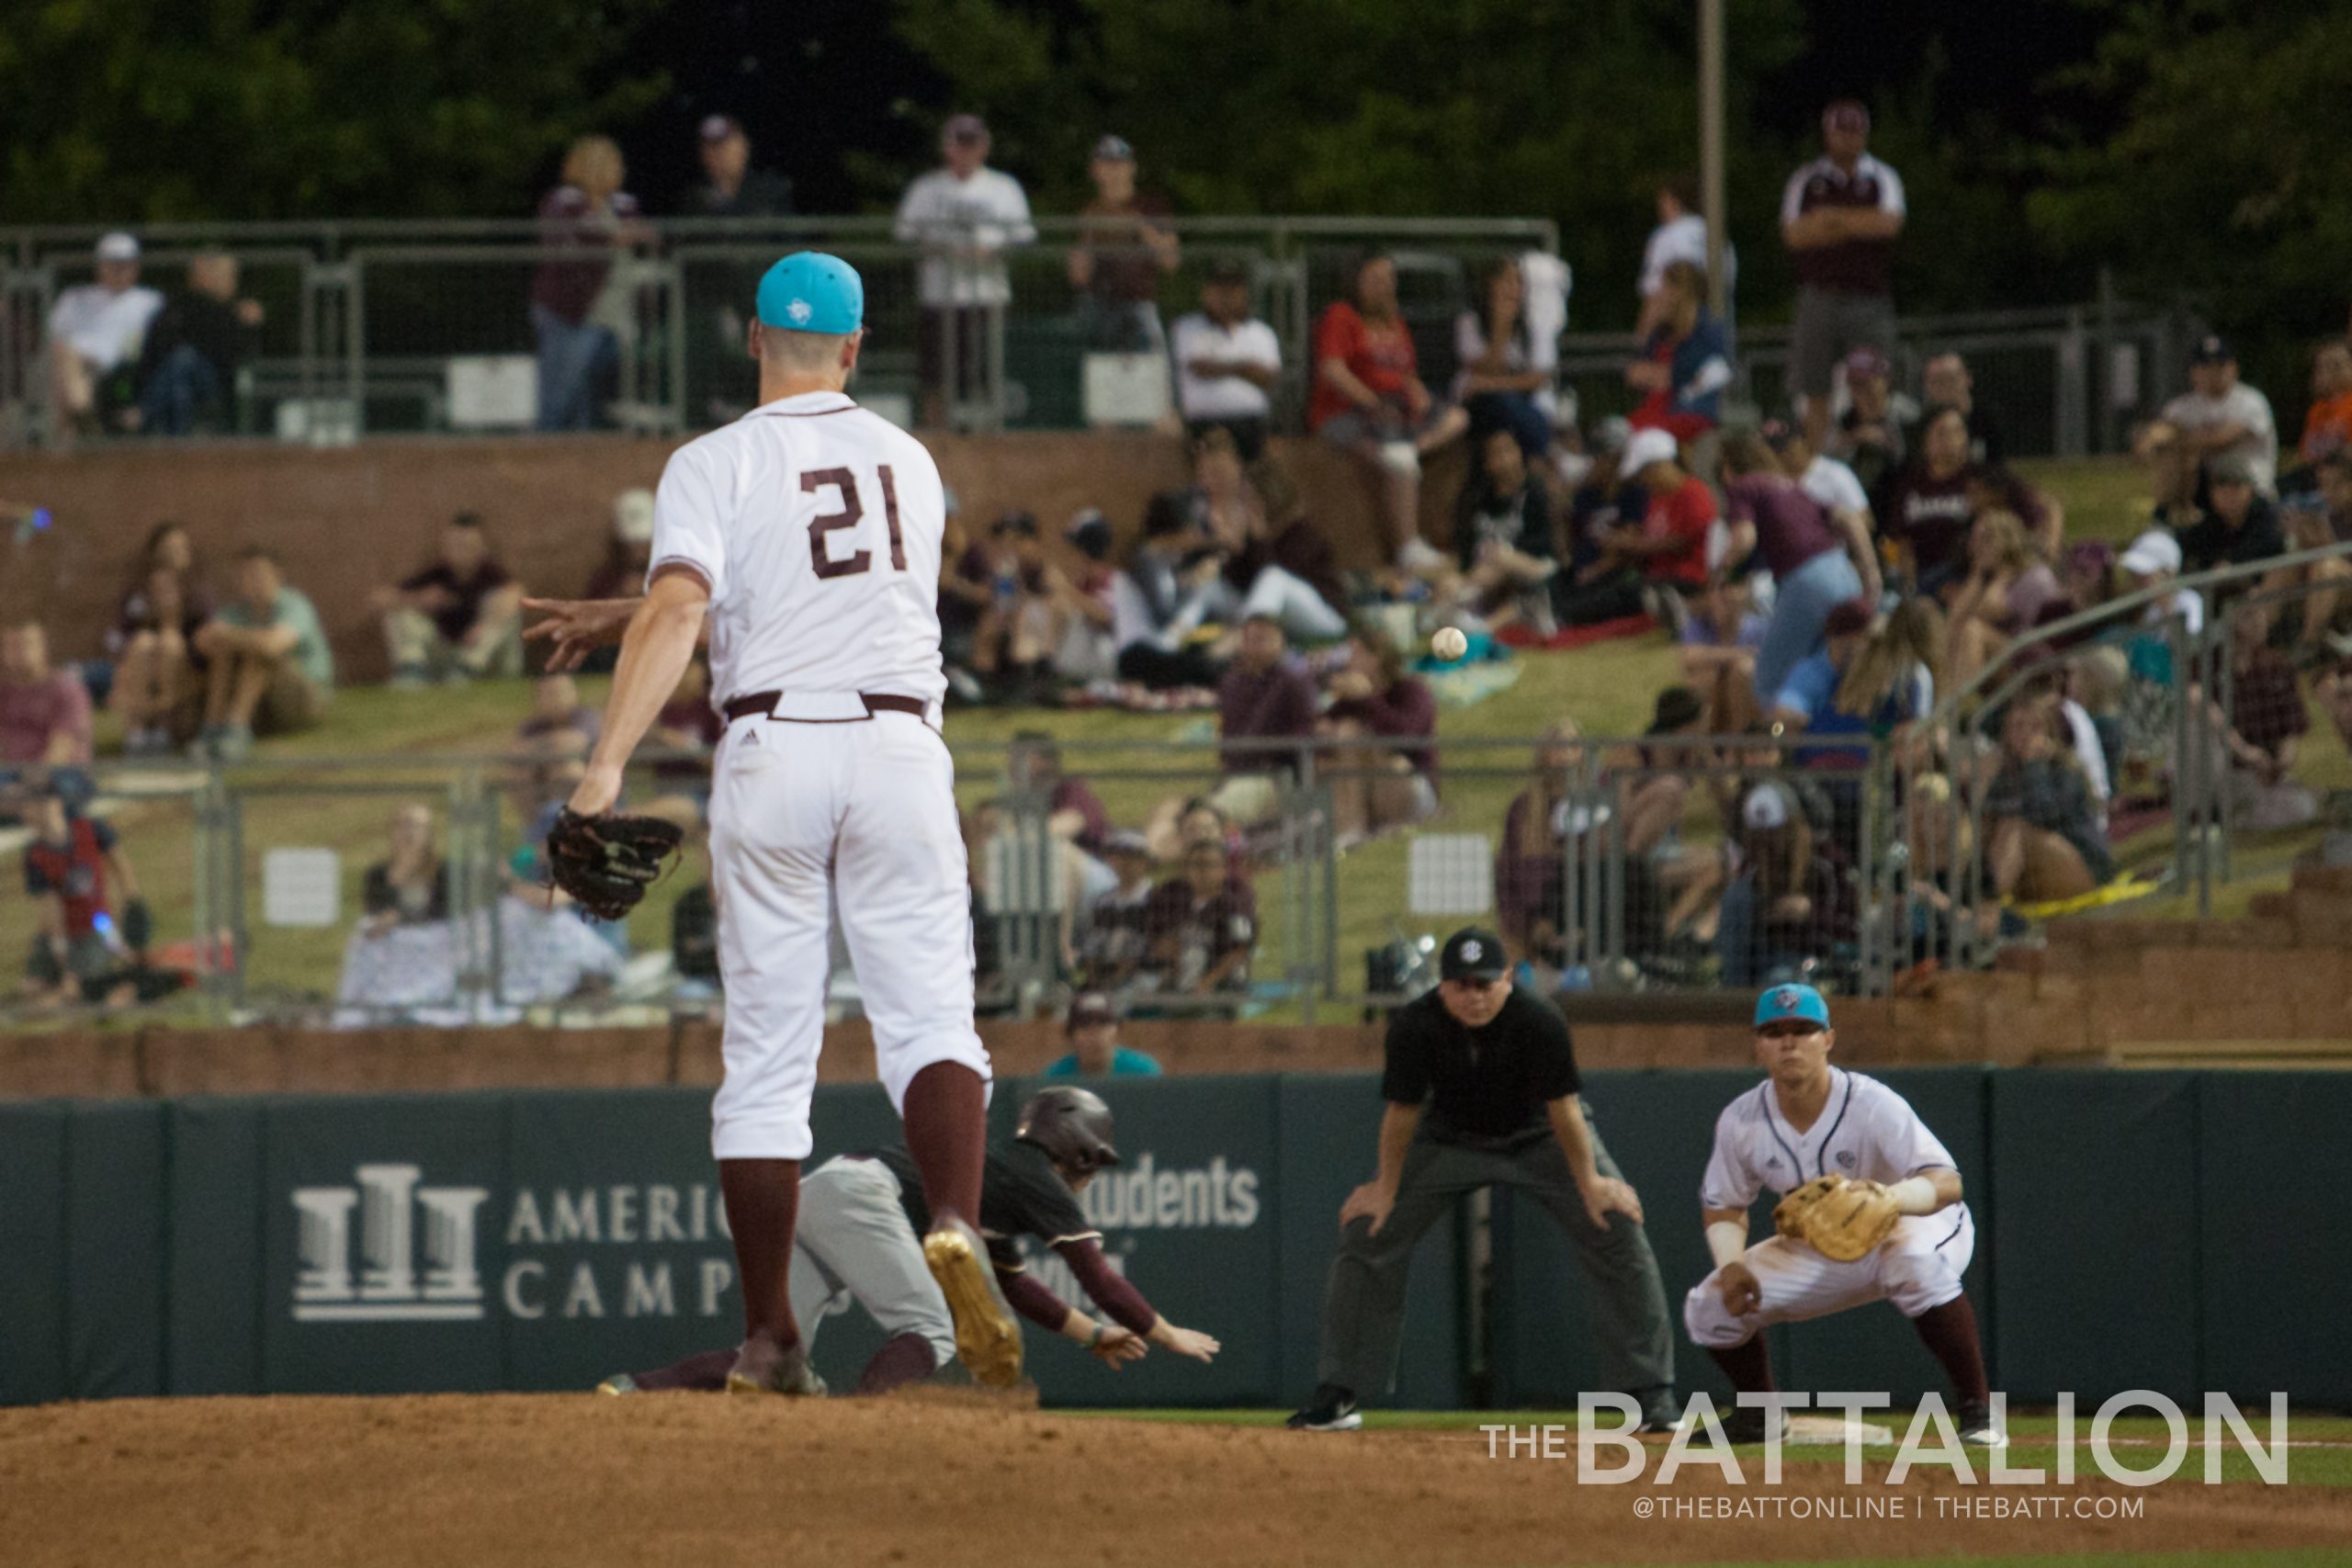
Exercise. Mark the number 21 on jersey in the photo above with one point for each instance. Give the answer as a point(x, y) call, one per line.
point(853, 512)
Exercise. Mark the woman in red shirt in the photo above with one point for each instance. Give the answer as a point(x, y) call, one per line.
point(1368, 398)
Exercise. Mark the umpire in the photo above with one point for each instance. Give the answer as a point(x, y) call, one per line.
point(1481, 1084)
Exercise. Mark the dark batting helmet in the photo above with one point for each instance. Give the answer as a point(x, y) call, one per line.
point(1071, 1124)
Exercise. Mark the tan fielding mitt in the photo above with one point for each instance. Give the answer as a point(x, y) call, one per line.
point(1840, 1218)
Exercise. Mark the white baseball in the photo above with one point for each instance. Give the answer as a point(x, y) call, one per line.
point(1449, 643)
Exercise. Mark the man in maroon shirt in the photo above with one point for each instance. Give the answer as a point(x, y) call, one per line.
point(1839, 216)
point(1379, 786)
point(44, 716)
point(1265, 696)
point(1073, 810)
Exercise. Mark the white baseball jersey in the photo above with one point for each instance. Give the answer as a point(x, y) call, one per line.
point(818, 525)
point(1867, 1132)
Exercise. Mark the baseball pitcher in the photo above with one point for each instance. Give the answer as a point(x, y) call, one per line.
point(808, 535)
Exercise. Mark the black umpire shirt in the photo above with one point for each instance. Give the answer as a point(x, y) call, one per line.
point(1021, 1195)
point(1483, 1087)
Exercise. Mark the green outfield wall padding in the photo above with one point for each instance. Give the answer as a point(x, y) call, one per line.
point(615, 1258)
point(2274, 1164)
point(1189, 1216)
point(213, 1314)
point(33, 1210)
point(2095, 1252)
point(383, 1258)
point(2159, 1230)
point(1330, 1125)
point(115, 1230)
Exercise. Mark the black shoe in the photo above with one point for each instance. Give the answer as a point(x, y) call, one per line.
point(1743, 1424)
point(1333, 1409)
point(1977, 1428)
point(1661, 1412)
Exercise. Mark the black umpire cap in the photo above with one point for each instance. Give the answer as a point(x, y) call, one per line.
point(1472, 954)
point(1072, 1126)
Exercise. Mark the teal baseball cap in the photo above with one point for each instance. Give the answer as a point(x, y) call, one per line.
point(1784, 1003)
point(810, 292)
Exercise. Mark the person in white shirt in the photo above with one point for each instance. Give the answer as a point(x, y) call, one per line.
point(1225, 361)
point(2221, 416)
point(1681, 235)
point(963, 213)
point(1507, 365)
point(94, 329)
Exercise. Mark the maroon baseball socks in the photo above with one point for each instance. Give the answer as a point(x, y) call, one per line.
point(946, 1115)
point(763, 1204)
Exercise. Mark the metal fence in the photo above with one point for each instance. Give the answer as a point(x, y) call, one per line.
point(2135, 750)
point(400, 328)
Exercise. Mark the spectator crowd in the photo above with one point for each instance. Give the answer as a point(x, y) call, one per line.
point(1831, 575)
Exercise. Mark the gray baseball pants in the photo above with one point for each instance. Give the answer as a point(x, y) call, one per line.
point(853, 1244)
point(1363, 1309)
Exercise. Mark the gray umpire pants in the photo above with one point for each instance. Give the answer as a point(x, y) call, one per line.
point(853, 1244)
point(1364, 1311)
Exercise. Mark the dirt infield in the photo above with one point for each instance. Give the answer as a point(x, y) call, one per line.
point(705, 1482)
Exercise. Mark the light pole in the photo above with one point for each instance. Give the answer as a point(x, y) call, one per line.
point(1710, 145)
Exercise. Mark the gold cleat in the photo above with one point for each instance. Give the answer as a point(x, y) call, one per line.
point(986, 1339)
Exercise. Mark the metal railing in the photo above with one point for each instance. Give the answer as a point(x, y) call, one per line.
point(1657, 864)
point(377, 327)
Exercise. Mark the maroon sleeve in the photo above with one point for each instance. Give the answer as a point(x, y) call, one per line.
point(1106, 1289)
point(1027, 1295)
point(1073, 794)
point(1519, 881)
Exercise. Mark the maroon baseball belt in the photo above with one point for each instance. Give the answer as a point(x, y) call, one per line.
point(763, 704)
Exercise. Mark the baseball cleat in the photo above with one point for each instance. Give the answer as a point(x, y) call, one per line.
point(1333, 1410)
point(619, 1383)
point(986, 1339)
point(761, 1369)
point(1746, 1424)
point(1977, 1428)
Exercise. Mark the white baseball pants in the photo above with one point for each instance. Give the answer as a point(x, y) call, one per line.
point(858, 814)
point(1919, 1268)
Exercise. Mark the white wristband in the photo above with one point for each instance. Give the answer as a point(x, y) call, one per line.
point(1727, 1240)
point(1914, 1195)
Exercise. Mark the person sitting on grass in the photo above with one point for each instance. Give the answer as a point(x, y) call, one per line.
point(410, 886)
point(1717, 654)
point(2044, 844)
point(75, 868)
point(268, 669)
point(460, 618)
point(1093, 1027)
point(1202, 928)
point(158, 691)
point(1377, 787)
point(44, 718)
point(1111, 939)
point(1504, 541)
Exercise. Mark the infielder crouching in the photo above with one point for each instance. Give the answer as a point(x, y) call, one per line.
point(807, 534)
point(1809, 1121)
point(860, 1240)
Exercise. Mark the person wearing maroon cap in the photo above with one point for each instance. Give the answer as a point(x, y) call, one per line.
point(1840, 215)
point(731, 187)
point(1095, 1052)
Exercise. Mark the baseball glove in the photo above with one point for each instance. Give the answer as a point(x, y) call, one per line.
point(1840, 1218)
point(606, 863)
